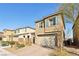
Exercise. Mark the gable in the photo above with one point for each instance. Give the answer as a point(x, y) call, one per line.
point(51, 16)
point(60, 18)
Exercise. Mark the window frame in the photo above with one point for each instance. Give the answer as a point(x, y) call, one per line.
point(53, 21)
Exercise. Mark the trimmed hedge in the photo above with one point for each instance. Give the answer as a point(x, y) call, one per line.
point(12, 43)
point(4, 43)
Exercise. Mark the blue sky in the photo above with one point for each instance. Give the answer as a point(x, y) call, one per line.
point(13, 16)
point(21, 15)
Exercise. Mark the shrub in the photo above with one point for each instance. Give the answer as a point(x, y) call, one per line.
point(11, 43)
point(20, 45)
point(4, 43)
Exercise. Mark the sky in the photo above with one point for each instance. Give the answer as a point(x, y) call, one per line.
point(14, 16)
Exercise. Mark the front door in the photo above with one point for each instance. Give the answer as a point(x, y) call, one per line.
point(0, 38)
point(33, 40)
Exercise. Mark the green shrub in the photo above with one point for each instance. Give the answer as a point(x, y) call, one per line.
point(4, 43)
point(11, 43)
point(20, 45)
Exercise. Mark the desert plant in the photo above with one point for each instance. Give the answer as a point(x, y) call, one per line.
point(4, 43)
point(20, 45)
point(11, 43)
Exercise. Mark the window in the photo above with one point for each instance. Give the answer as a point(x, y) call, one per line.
point(40, 25)
point(53, 21)
point(46, 23)
point(28, 36)
point(17, 31)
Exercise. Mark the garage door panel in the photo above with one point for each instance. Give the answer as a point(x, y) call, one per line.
point(48, 41)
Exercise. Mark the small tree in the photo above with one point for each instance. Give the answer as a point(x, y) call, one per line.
point(11, 43)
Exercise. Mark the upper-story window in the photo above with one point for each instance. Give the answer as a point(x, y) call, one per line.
point(53, 21)
point(17, 31)
point(40, 25)
point(46, 23)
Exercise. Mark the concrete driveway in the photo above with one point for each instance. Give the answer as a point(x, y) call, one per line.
point(5, 53)
point(34, 50)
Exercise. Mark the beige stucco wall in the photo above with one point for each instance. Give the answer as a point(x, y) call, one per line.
point(30, 30)
point(8, 35)
point(4, 39)
point(55, 28)
point(58, 27)
point(39, 30)
point(15, 39)
point(25, 32)
point(9, 32)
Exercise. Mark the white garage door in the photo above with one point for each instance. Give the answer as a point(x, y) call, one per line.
point(48, 41)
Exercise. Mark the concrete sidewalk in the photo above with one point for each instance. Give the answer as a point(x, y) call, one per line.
point(5, 53)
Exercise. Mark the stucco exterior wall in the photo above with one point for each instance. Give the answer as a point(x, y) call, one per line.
point(58, 29)
point(23, 33)
point(24, 30)
point(8, 35)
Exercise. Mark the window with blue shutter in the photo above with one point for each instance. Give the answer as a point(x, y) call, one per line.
point(40, 24)
point(54, 21)
point(46, 23)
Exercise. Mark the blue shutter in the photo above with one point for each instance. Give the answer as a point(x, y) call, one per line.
point(46, 23)
point(57, 21)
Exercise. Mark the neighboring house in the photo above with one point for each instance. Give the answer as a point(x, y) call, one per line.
point(50, 31)
point(76, 31)
point(8, 34)
point(1, 36)
point(25, 34)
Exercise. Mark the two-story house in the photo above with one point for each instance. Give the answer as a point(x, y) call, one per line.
point(76, 31)
point(50, 30)
point(1, 36)
point(25, 35)
point(8, 33)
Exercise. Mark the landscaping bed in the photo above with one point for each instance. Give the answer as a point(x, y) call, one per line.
point(57, 52)
point(4, 43)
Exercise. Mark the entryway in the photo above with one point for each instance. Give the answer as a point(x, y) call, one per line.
point(0, 38)
point(33, 40)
